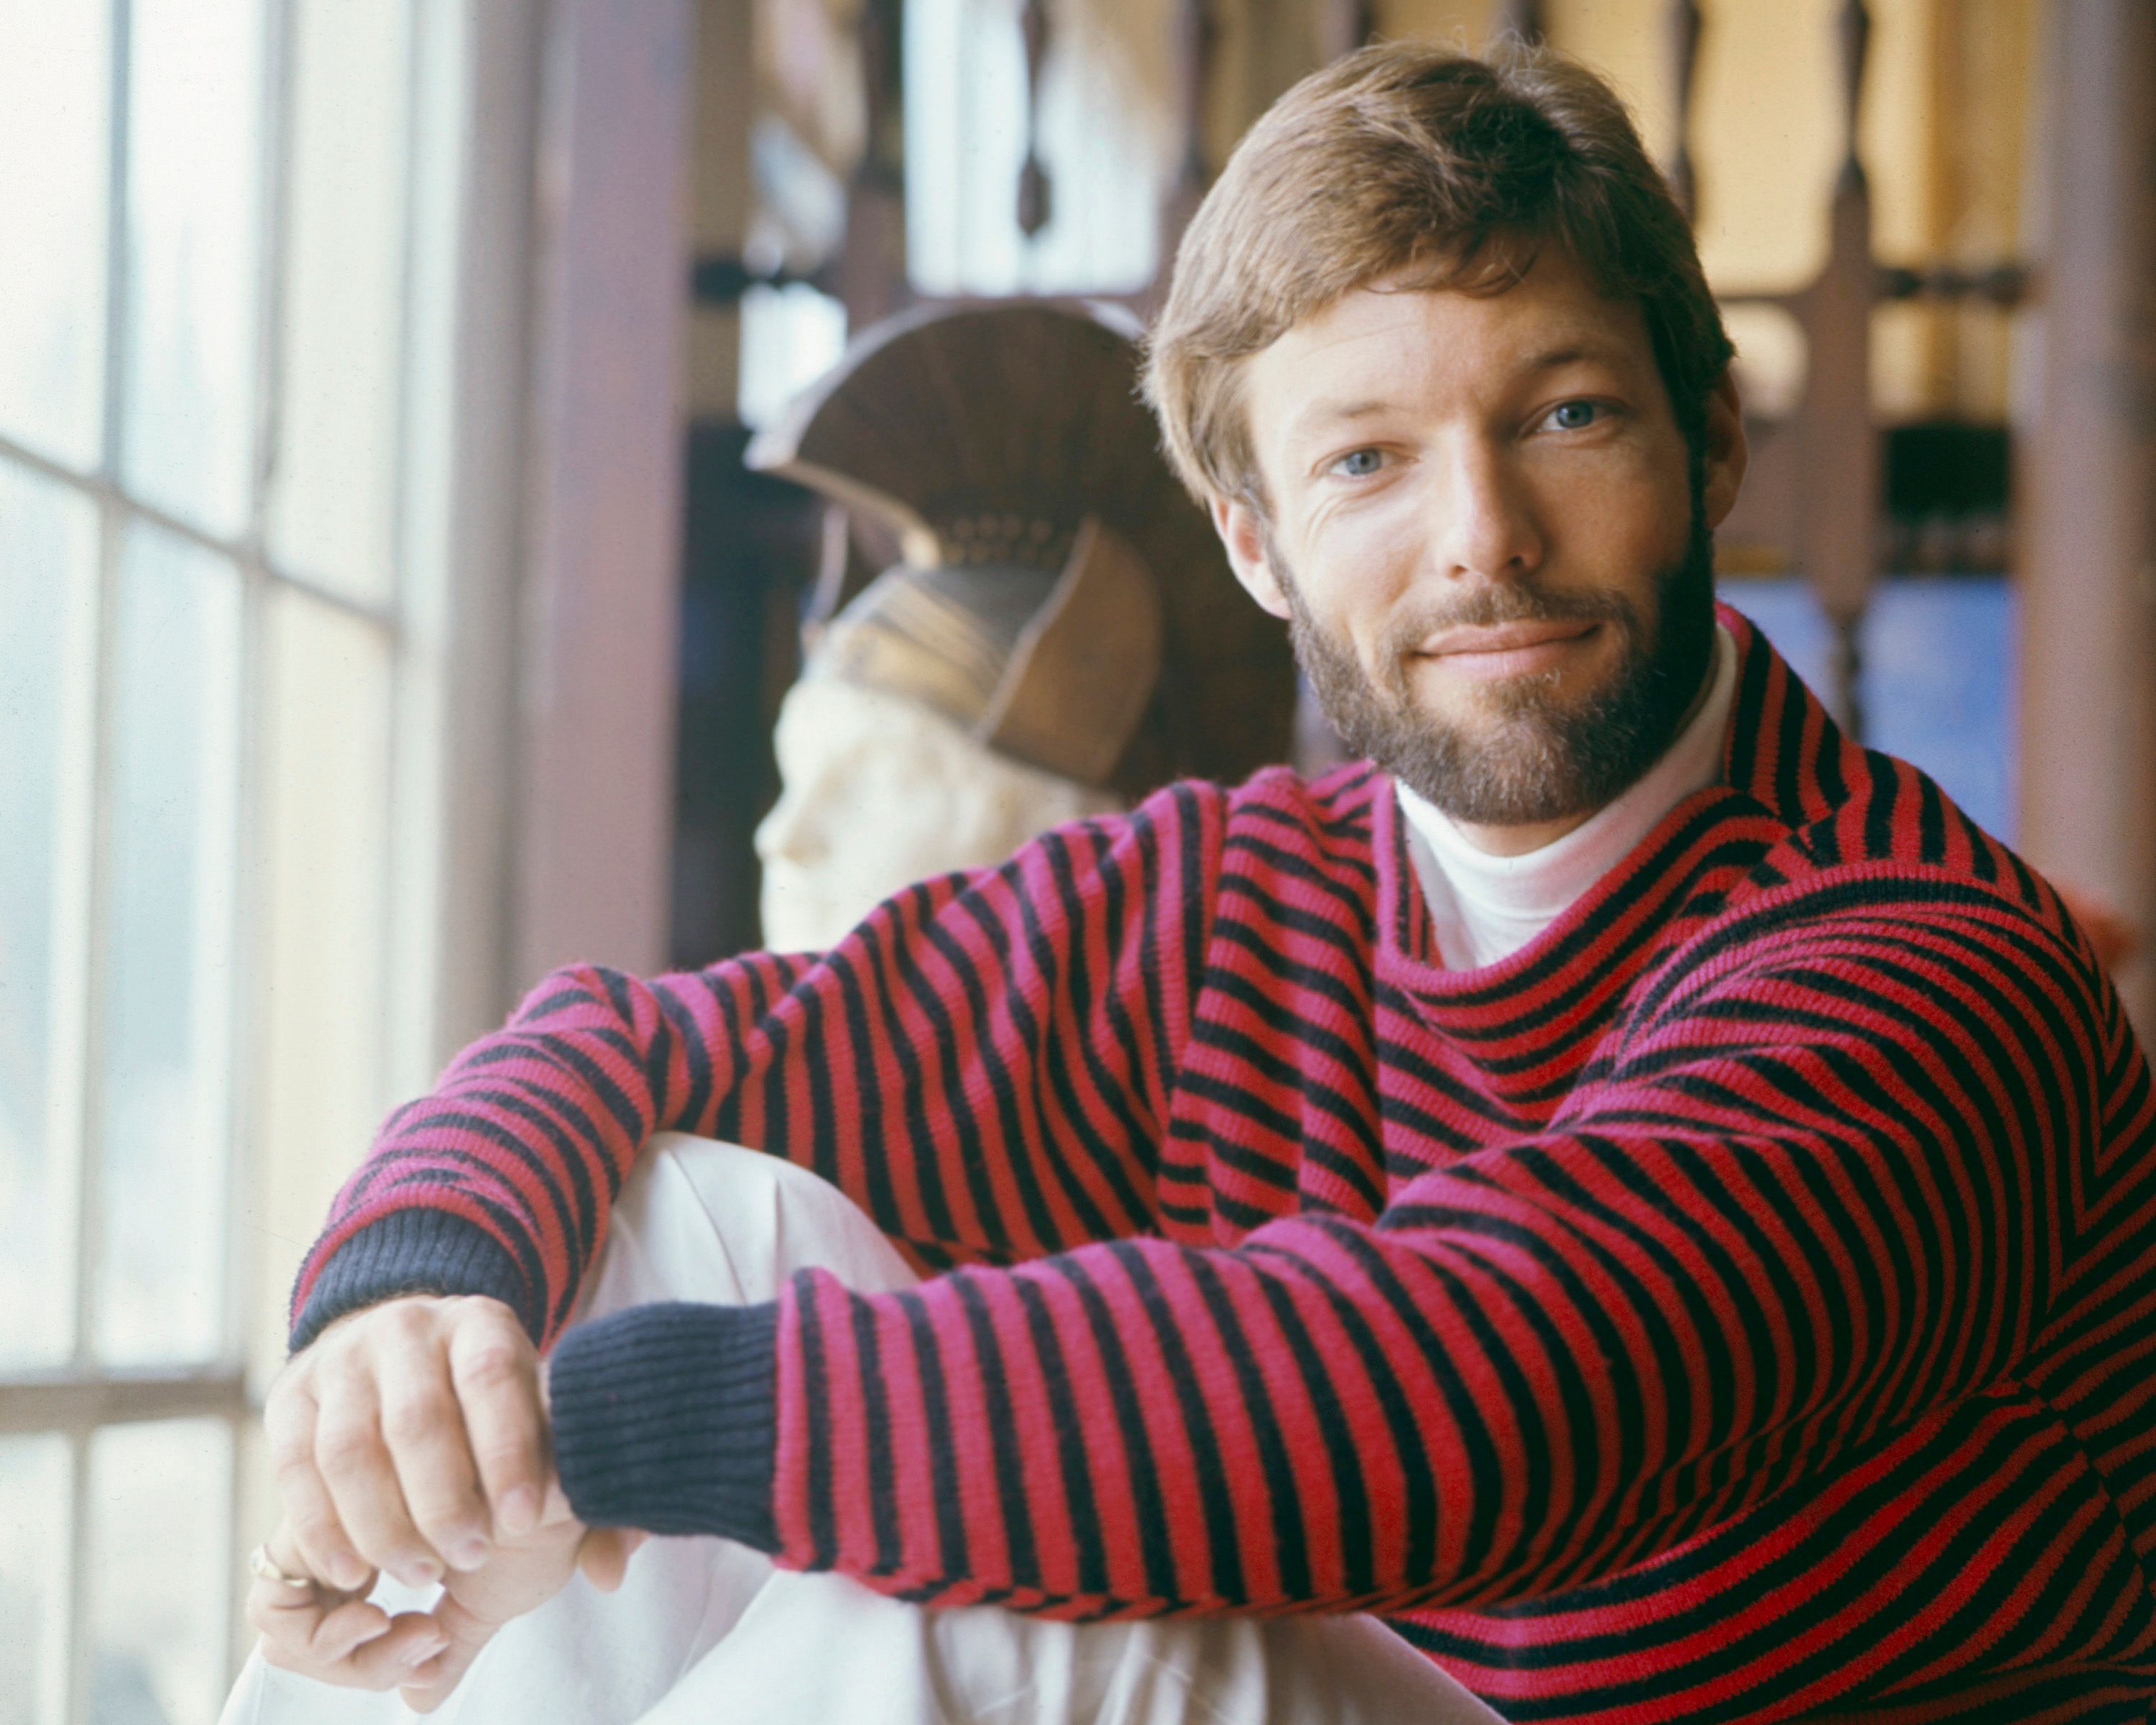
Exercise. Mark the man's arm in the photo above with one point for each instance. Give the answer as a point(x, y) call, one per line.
point(983, 1066)
point(1815, 1201)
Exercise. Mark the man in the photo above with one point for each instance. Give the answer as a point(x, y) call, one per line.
point(1629, 1187)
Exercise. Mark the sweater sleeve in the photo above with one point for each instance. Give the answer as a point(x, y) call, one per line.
point(1814, 1199)
point(983, 1066)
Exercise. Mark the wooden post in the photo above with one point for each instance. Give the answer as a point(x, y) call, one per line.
point(1519, 21)
point(1344, 26)
point(1839, 525)
point(1684, 27)
point(872, 256)
point(601, 536)
point(2088, 542)
point(1198, 36)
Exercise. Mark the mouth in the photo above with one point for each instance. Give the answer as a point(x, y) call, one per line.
point(1510, 649)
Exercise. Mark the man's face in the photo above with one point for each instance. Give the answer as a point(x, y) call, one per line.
point(1484, 527)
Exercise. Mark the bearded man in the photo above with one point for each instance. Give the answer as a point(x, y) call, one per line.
point(1625, 1193)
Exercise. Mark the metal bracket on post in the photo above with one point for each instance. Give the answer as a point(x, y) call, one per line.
point(1034, 202)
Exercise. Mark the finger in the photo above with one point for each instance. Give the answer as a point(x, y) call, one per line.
point(496, 1376)
point(346, 1628)
point(291, 1627)
point(354, 1465)
point(315, 1640)
point(319, 1544)
point(423, 1427)
point(466, 1635)
point(604, 1555)
point(413, 1639)
point(293, 1617)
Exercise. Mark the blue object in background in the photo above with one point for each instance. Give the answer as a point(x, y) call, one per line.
point(1937, 674)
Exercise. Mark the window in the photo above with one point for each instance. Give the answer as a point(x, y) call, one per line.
point(221, 341)
point(1106, 138)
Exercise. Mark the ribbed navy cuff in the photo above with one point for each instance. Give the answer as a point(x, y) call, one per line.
point(414, 1251)
point(666, 1418)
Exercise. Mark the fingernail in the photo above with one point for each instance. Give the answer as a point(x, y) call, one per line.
point(519, 1510)
point(421, 1653)
point(469, 1553)
point(348, 1573)
point(416, 1574)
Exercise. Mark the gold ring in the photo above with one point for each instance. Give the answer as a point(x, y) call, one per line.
point(260, 1562)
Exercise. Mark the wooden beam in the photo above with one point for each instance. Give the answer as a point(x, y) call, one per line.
point(872, 277)
point(80, 1401)
point(2088, 540)
point(594, 792)
point(1519, 21)
point(1685, 25)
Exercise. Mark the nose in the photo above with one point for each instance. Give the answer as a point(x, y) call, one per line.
point(1487, 525)
point(792, 832)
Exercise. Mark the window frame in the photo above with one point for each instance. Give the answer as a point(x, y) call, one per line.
point(471, 83)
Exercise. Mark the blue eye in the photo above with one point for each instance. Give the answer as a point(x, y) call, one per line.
point(1574, 415)
point(1359, 464)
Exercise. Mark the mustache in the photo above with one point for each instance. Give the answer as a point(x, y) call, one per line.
point(1491, 606)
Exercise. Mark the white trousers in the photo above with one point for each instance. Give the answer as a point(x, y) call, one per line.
point(706, 1632)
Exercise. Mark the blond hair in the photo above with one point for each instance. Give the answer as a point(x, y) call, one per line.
point(1411, 157)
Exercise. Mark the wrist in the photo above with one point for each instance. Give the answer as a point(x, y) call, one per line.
point(666, 1418)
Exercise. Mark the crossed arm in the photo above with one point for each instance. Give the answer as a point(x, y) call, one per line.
point(1496, 1232)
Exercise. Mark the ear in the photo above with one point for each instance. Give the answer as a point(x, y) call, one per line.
point(1242, 531)
point(1726, 451)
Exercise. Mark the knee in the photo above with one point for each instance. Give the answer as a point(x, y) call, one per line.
point(700, 1220)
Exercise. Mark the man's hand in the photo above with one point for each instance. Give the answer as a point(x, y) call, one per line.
point(521, 1575)
point(334, 1636)
point(339, 1637)
point(409, 1437)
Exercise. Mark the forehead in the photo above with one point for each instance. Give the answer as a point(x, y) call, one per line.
point(1393, 342)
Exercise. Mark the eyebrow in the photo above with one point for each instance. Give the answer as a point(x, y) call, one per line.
point(1573, 353)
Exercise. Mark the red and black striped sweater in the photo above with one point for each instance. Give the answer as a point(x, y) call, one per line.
point(1735, 1304)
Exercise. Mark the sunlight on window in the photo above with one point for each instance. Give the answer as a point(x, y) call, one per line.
point(164, 1085)
point(193, 222)
point(789, 337)
point(206, 676)
point(44, 673)
point(55, 111)
point(330, 512)
point(321, 884)
point(34, 1580)
point(1105, 140)
point(160, 1519)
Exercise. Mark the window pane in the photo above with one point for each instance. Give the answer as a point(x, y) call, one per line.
point(48, 534)
point(55, 110)
point(194, 139)
point(1935, 675)
point(1105, 140)
point(1939, 677)
point(326, 741)
point(331, 512)
point(167, 958)
point(34, 1580)
point(789, 337)
point(161, 1515)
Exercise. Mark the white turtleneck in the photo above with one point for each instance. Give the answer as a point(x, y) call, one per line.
point(1484, 907)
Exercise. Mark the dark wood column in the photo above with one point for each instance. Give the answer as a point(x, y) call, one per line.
point(2089, 546)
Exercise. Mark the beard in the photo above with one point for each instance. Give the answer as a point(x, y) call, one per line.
point(1535, 756)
